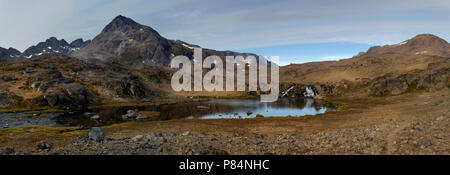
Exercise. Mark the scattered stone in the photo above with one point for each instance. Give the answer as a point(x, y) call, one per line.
point(95, 117)
point(186, 133)
point(96, 134)
point(7, 151)
point(141, 116)
point(44, 145)
point(368, 139)
point(158, 134)
point(137, 138)
point(131, 114)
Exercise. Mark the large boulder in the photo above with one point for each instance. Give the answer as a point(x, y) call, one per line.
point(7, 99)
point(96, 134)
point(437, 79)
point(52, 98)
point(78, 93)
point(129, 87)
point(67, 94)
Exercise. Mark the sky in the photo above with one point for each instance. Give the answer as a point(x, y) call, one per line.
point(296, 30)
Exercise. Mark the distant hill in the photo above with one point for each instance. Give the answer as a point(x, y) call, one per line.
point(415, 53)
point(424, 44)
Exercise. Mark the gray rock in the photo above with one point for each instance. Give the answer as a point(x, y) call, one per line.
point(138, 138)
point(35, 85)
point(95, 117)
point(63, 98)
point(158, 134)
point(96, 134)
point(131, 114)
point(186, 133)
point(52, 99)
point(44, 145)
point(141, 117)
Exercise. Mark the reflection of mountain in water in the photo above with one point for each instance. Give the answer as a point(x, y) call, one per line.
point(215, 108)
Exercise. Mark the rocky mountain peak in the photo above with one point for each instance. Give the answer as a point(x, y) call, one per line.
point(427, 40)
point(79, 43)
point(10, 53)
point(53, 46)
point(123, 24)
point(125, 41)
point(423, 44)
point(14, 52)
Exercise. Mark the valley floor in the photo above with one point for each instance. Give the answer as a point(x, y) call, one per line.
point(413, 123)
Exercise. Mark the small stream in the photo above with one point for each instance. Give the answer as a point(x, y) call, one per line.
point(212, 109)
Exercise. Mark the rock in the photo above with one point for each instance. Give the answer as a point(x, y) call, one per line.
point(368, 139)
point(81, 139)
point(131, 114)
point(389, 84)
point(128, 87)
point(66, 80)
point(53, 74)
point(249, 113)
point(141, 116)
point(186, 133)
point(78, 93)
point(35, 85)
point(7, 99)
point(259, 116)
point(137, 138)
point(95, 117)
point(64, 99)
point(52, 99)
point(202, 107)
point(7, 151)
point(96, 134)
point(158, 134)
point(44, 145)
point(43, 87)
point(9, 77)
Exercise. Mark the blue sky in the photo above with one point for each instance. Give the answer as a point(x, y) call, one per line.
point(312, 30)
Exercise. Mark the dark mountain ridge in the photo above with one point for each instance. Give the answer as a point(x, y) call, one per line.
point(54, 46)
point(128, 42)
point(7, 54)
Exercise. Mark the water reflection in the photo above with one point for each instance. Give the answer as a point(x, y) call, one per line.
point(212, 109)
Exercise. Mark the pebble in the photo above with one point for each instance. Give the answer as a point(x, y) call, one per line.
point(138, 138)
point(186, 133)
point(95, 117)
